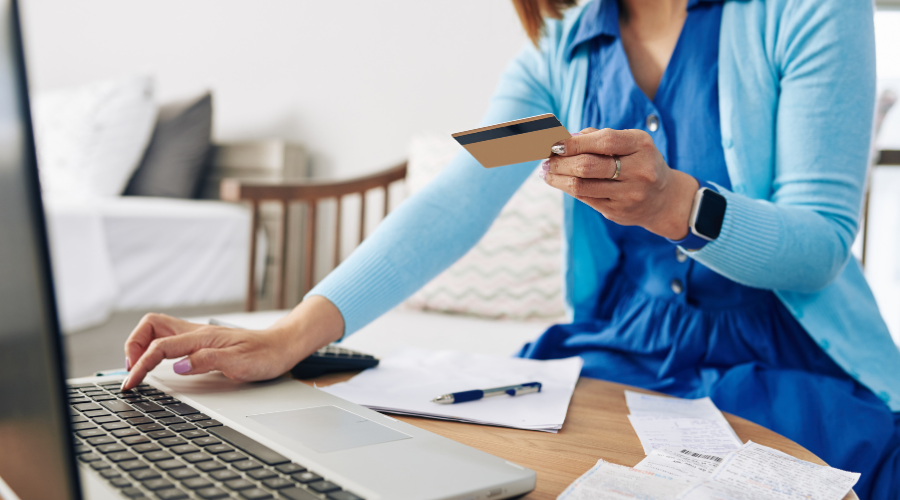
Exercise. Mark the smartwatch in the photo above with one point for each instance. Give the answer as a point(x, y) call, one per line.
point(707, 215)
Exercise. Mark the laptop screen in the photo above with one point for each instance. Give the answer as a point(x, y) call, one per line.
point(35, 448)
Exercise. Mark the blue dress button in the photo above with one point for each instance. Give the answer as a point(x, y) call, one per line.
point(884, 396)
point(653, 123)
point(726, 143)
point(677, 286)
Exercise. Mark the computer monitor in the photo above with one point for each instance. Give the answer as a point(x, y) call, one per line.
point(36, 454)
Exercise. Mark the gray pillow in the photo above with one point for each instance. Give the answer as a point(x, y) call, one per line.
point(175, 161)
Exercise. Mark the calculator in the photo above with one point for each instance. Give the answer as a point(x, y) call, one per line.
point(330, 359)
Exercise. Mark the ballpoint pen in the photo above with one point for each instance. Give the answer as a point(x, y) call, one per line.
point(511, 390)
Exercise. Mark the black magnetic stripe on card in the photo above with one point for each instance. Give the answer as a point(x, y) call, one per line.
point(509, 130)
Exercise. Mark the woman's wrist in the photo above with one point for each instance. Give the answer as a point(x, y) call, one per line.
point(673, 222)
point(314, 323)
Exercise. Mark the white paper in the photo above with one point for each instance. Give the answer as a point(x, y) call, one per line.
point(709, 436)
point(607, 481)
point(647, 404)
point(681, 463)
point(757, 472)
point(407, 381)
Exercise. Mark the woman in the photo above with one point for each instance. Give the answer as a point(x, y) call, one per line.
point(767, 105)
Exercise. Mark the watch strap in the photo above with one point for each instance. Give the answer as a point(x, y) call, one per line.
point(692, 241)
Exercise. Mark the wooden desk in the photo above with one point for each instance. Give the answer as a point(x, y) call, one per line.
point(596, 427)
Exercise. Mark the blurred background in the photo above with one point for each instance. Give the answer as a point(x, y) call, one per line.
point(155, 102)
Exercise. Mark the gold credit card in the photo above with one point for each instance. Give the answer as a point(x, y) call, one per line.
point(528, 139)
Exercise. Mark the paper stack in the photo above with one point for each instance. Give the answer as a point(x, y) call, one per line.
point(663, 422)
point(753, 472)
point(406, 382)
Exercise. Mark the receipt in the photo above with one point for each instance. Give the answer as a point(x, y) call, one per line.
point(703, 408)
point(681, 464)
point(709, 436)
point(757, 472)
point(606, 481)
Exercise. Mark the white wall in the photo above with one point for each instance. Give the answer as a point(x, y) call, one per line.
point(351, 80)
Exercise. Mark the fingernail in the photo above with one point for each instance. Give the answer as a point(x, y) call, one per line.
point(545, 165)
point(559, 148)
point(576, 133)
point(182, 366)
point(543, 175)
point(124, 383)
point(127, 364)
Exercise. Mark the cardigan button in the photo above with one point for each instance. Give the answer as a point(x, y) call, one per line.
point(680, 256)
point(677, 286)
point(653, 123)
point(727, 143)
point(884, 396)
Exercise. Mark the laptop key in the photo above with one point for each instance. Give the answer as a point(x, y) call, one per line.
point(157, 484)
point(97, 441)
point(232, 456)
point(290, 468)
point(196, 457)
point(116, 406)
point(239, 484)
point(140, 420)
point(120, 482)
point(133, 440)
point(110, 473)
point(179, 409)
point(77, 419)
point(171, 420)
point(173, 441)
point(146, 447)
point(195, 417)
point(131, 465)
point(171, 464)
point(185, 449)
point(106, 419)
point(171, 494)
point(160, 414)
point(79, 449)
point(113, 426)
point(212, 493)
point(99, 465)
point(161, 434)
point(156, 456)
point(83, 425)
point(205, 424)
point(182, 427)
point(194, 434)
point(195, 483)
point(182, 473)
point(121, 456)
point(144, 474)
point(96, 413)
point(132, 492)
point(259, 451)
point(245, 465)
point(210, 466)
point(343, 495)
point(75, 401)
point(146, 406)
point(217, 448)
point(88, 433)
point(260, 474)
point(297, 494)
point(256, 494)
point(164, 402)
point(224, 475)
point(277, 483)
point(105, 397)
point(110, 448)
point(324, 486)
point(205, 441)
point(121, 433)
point(306, 477)
point(129, 414)
point(150, 427)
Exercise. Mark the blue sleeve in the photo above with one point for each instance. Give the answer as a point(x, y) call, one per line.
point(439, 224)
point(799, 239)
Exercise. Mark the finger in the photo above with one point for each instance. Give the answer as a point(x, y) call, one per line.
point(581, 187)
point(152, 326)
point(605, 142)
point(587, 166)
point(170, 347)
point(202, 361)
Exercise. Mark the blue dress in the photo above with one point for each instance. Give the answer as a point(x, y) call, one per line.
point(666, 322)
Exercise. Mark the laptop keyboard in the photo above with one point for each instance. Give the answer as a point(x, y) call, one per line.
point(148, 444)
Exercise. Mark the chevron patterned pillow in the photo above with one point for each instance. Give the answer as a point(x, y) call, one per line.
point(514, 272)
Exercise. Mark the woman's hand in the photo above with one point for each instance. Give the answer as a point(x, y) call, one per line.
point(646, 193)
point(239, 354)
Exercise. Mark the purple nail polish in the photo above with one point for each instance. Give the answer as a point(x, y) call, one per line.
point(182, 366)
point(545, 165)
point(127, 364)
point(576, 133)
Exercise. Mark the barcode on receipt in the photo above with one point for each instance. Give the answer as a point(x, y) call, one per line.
point(699, 455)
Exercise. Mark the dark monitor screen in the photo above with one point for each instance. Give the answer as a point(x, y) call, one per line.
point(35, 446)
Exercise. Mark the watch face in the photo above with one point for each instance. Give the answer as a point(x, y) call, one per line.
point(711, 214)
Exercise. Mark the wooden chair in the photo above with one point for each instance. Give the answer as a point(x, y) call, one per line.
point(308, 193)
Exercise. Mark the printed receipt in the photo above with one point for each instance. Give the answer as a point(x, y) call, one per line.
point(754, 472)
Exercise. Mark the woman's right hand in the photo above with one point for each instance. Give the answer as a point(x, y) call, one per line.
point(245, 355)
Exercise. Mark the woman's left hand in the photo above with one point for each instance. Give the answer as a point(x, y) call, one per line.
point(646, 193)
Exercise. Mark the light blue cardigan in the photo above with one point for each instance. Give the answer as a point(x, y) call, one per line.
point(796, 97)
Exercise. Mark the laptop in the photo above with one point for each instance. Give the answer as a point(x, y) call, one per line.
point(173, 437)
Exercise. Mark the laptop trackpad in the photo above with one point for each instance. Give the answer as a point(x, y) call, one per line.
point(327, 428)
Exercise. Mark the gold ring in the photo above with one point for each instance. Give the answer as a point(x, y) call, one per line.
point(618, 168)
